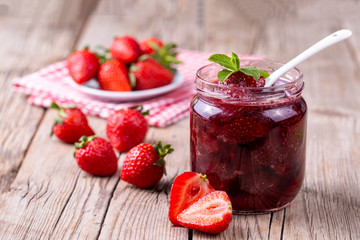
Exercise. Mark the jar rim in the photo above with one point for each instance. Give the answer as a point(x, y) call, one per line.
point(207, 83)
point(299, 77)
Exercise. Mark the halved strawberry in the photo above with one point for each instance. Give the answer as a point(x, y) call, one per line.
point(210, 214)
point(187, 189)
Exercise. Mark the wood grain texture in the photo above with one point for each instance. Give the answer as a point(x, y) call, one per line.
point(50, 187)
point(33, 33)
point(172, 21)
point(51, 198)
point(143, 214)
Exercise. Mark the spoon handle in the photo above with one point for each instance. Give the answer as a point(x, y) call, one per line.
point(317, 47)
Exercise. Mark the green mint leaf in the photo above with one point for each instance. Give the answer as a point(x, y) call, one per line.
point(224, 74)
point(251, 71)
point(264, 74)
point(235, 61)
point(222, 60)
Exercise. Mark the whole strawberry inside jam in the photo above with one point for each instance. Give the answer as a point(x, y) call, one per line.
point(240, 79)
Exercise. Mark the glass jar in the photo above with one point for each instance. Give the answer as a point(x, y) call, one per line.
point(250, 142)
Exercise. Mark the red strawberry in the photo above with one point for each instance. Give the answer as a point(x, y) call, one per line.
point(210, 214)
point(246, 128)
point(150, 74)
point(95, 155)
point(187, 189)
point(242, 80)
point(146, 45)
point(144, 164)
point(70, 124)
point(260, 82)
point(82, 65)
point(125, 49)
point(126, 128)
point(113, 76)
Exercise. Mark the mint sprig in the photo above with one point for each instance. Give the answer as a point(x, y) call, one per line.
point(232, 65)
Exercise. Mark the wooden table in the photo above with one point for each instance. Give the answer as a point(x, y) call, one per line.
point(44, 195)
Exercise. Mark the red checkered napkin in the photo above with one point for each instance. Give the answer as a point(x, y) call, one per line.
point(49, 85)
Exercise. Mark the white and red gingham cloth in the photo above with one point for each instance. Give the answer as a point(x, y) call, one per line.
point(49, 85)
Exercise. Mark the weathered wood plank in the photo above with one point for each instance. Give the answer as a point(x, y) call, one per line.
point(317, 211)
point(331, 190)
point(48, 185)
point(46, 31)
point(143, 214)
point(176, 21)
point(228, 28)
point(34, 33)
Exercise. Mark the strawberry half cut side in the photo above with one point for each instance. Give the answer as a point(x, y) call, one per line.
point(211, 214)
point(187, 189)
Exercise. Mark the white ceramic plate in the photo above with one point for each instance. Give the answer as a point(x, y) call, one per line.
point(92, 88)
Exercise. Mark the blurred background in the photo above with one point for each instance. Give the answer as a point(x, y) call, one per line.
point(245, 26)
point(37, 33)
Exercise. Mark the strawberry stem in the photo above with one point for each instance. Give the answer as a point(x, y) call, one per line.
point(104, 55)
point(140, 109)
point(203, 177)
point(61, 115)
point(83, 141)
point(162, 151)
point(54, 106)
point(133, 68)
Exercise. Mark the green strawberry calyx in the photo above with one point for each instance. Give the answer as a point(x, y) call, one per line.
point(140, 109)
point(133, 68)
point(232, 65)
point(203, 177)
point(162, 151)
point(83, 141)
point(103, 54)
point(61, 115)
point(165, 55)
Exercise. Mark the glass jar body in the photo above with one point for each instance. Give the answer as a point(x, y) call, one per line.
point(254, 150)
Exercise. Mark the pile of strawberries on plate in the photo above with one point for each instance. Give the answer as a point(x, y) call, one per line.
point(128, 65)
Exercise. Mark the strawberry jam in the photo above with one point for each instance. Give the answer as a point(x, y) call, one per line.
point(250, 141)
